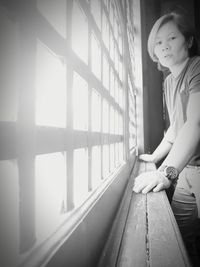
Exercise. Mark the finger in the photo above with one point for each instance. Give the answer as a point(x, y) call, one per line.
point(138, 187)
point(148, 188)
point(158, 188)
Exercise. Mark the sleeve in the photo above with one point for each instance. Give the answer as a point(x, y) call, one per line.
point(194, 77)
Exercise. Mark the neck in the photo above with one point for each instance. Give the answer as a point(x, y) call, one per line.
point(176, 69)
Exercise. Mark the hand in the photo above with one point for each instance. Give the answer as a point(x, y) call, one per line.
point(147, 157)
point(147, 181)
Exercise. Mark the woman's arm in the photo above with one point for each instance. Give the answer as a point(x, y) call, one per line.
point(161, 151)
point(181, 152)
point(188, 138)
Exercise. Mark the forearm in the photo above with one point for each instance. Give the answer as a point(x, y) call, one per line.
point(184, 146)
point(161, 151)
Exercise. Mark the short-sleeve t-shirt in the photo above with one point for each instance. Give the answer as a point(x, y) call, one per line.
point(177, 91)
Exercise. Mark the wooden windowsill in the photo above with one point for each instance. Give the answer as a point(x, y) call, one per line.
point(145, 232)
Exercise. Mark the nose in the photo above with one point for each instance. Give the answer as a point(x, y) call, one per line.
point(165, 46)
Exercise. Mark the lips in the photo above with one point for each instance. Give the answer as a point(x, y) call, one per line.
point(168, 56)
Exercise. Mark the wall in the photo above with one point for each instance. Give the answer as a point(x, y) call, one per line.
point(152, 81)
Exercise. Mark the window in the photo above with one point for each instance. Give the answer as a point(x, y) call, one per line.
point(63, 129)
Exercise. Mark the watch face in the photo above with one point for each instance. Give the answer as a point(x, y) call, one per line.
point(171, 172)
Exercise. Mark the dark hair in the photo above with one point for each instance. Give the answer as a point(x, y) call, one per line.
point(184, 27)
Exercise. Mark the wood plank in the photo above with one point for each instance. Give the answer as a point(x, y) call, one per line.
point(111, 251)
point(165, 243)
point(133, 247)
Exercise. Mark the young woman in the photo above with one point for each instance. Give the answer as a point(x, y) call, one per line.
point(172, 45)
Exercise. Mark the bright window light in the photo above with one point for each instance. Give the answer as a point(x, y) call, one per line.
point(96, 166)
point(106, 3)
point(121, 152)
point(120, 70)
point(105, 72)
point(79, 32)
point(121, 97)
point(80, 103)
point(112, 157)
point(105, 161)
point(96, 111)
point(120, 40)
point(116, 122)
point(50, 88)
point(111, 13)
point(50, 193)
point(96, 57)
point(116, 154)
point(96, 11)
point(55, 13)
point(116, 59)
point(105, 116)
point(116, 91)
point(112, 83)
point(120, 124)
point(80, 175)
point(112, 120)
point(105, 30)
point(112, 47)
point(115, 28)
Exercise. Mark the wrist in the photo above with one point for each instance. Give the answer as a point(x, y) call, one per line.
point(170, 172)
point(154, 158)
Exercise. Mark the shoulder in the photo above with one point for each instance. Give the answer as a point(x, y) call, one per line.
point(194, 65)
point(193, 74)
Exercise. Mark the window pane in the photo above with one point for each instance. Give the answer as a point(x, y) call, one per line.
point(55, 13)
point(80, 175)
point(105, 30)
point(121, 97)
point(107, 3)
point(120, 40)
point(50, 193)
point(116, 28)
point(96, 57)
point(112, 83)
point(116, 122)
point(112, 157)
point(79, 33)
point(105, 116)
point(105, 160)
point(96, 111)
point(116, 154)
point(116, 58)
point(112, 120)
point(96, 11)
point(96, 166)
point(112, 47)
point(50, 88)
point(116, 91)
point(105, 72)
point(111, 13)
point(120, 125)
point(120, 70)
point(80, 103)
point(121, 152)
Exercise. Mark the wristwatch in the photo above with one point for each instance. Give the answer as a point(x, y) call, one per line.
point(170, 172)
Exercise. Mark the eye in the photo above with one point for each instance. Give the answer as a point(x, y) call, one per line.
point(172, 38)
point(158, 43)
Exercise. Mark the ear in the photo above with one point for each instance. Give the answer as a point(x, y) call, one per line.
point(190, 42)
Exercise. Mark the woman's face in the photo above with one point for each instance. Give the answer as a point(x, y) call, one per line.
point(170, 47)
